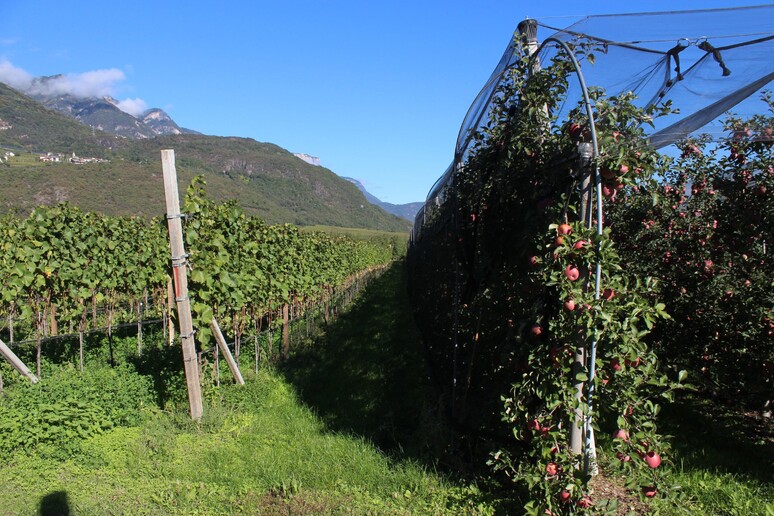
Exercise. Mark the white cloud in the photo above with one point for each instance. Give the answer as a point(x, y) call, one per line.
point(134, 107)
point(97, 83)
point(13, 76)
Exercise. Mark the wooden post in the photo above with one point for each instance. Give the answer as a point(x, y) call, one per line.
point(226, 352)
point(16, 363)
point(285, 332)
point(139, 328)
point(54, 326)
point(180, 277)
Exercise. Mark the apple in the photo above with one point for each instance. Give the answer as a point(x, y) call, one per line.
point(575, 131)
point(622, 434)
point(608, 294)
point(615, 364)
point(632, 363)
point(584, 503)
point(536, 330)
point(533, 424)
point(564, 229)
point(572, 273)
point(552, 469)
point(559, 241)
point(564, 495)
point(569, 305)
point(623, 457)
point(580, 244)
point(624, 169)
point(653, 459)
point(606, 173)
point(533, 260)
point(691, 149)
point(649, 491)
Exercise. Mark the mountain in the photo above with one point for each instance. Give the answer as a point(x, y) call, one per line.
point(405, 211)
point(161, 123)
point(265, 179)
point(103, 113)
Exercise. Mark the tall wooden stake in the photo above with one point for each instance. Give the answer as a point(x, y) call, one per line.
point(180, 278)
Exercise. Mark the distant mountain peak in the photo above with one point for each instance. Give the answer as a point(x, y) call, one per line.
point(406, 211)
point(104, 112)
point(312, 160)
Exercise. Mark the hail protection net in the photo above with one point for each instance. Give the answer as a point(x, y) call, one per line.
point(705, 62)
point(466, 247)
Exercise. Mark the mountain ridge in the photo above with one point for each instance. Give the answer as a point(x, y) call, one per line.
point(406, 211)
point(264, 178)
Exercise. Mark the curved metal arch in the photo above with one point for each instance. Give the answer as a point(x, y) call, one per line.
point(598, 191)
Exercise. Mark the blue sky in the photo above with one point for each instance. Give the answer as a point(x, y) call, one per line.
point(377, 90)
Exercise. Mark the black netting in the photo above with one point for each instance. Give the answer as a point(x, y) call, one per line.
point(470, 236)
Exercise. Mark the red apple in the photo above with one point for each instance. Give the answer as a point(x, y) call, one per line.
point(569, 305)
point(584, 503)
point(575, 131)
point(606, 173)
point(624, 169)
point(649, 491)
point(533, 260)
point(621, 434)
point(623, 457)
point(564, 229)
point(565, 495)
point(608, 294)
point(580, 244)
point(533, 424)
point(536, 330)
point(653, 459)
point(572, 273)
point(615, 364)
point(552, 469)
point(559, 241)
point(632, 363)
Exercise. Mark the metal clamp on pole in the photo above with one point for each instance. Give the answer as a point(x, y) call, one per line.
point(179, 261)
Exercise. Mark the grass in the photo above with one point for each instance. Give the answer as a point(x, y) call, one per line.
point(265, 449)
point(724, 458)
point(348, 425)
point(257, 451)
point(366, 376)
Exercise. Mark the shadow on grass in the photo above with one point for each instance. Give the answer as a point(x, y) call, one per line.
point(54, 504)
point(713, 436)
point(366, 374)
